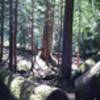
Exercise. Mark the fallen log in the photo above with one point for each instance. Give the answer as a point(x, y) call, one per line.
point(84, 84)
point(57, 95)
point(86, 77)
point(24, 88)
point(18, 85)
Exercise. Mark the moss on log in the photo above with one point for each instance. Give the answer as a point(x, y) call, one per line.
point(24, 89)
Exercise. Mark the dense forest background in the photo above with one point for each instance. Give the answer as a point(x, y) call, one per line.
point(54, 42)
point(88, 11)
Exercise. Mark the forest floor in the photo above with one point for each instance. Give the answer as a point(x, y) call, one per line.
point(41, 68)
point(45, 74)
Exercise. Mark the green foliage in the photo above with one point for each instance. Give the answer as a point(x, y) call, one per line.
point(87, 22)
point(87, 10)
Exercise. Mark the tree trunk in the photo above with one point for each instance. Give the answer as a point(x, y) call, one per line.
point(61, 29)
point(33, 49)
point(13, 32)
point(2, 29)
point(48, 30)
point(67, 40)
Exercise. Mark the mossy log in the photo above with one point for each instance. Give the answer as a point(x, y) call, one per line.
point(17, 84)
point(83, 79)
point(24, 89)
point(84, 84)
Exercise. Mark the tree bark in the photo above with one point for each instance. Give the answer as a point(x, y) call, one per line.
point(67, 40)
point(13, 32)
point(48, 30)
point(2, 29)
